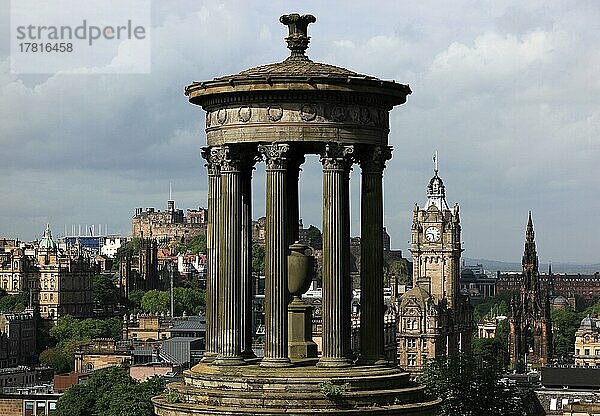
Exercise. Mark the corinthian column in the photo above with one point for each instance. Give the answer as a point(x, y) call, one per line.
point(212, 253)
point(246, 273)
point(276, 252)
point(336, 160)
point(372, 163)
point(230, 279)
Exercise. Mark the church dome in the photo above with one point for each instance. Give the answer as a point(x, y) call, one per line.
point(587, 323)
point(47, 243)
point(467, 274)
point(560, 300)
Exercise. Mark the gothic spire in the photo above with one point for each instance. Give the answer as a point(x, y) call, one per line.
point(530, 258)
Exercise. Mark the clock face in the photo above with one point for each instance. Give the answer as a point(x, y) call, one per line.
point(432, 234)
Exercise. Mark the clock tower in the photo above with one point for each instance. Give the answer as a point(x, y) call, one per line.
point(435, 244)
point(434, 319)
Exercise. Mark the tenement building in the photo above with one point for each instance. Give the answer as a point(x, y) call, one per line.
point(14, 266)
point(170, 224)
point(434, 318)
point(530, 324)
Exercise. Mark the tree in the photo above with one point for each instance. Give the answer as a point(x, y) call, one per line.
point(399, 268)
point(197, 244)
point(314, 237)
point(56, 359)
point(258, 258)
point(565, 322)
point(156, 301)
point(14, 303)
point(110, 392)
point(192, 301)
point(105, 292)
point(135, 297)
point(470, 387)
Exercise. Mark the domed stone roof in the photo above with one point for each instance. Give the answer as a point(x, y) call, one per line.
point(560, 300)
point(297, 72)
point(47, 243)
point(587, 322)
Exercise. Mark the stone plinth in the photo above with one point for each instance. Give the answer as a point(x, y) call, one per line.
point(300, 343)
point(299, 390)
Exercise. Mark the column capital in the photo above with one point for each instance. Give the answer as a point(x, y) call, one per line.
point(337, 157)
point(372, 159)
point(276, 155)
point(227, 158)
point(212, 164)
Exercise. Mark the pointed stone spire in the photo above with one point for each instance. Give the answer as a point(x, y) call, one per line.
point(529, 234)
point(436, 191)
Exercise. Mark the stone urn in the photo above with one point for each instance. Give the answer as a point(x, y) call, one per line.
point(301, 269)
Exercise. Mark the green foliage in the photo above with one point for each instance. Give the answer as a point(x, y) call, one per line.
point(69, 328)
point(470, 387)
point(13, 303)
point(399, 268)
point(70, 333)
point(155, 301)
point(593, 309)
point(126, 250)
point(197, 244)
point(105, 292)
point(498, 305)
point(565, 323)
point(110, 392)
point(135, 298)
point(258, 259)
point(194, 246)
point(314, 237)
point(57, 359)
point(172, 397)
point(192, 301)
point(333, 391)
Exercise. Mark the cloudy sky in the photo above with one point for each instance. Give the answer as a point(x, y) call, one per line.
point(508, 92)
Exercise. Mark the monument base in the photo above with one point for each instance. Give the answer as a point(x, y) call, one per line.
point(300, 343)
point(302, 390)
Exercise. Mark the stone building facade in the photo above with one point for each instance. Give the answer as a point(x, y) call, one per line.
point(170, 224)
point(434, 318)
point(17, 339)
point(530, 324)
point(14, 267)
point(140, 270)
point(63, 280)
point(587, 343)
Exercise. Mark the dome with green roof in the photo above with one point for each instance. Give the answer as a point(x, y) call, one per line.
point(47, 243)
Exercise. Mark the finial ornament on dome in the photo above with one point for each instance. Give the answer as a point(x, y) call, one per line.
point(298, 39)
point(435, 162)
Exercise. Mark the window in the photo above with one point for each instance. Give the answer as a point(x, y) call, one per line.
point(587, 351)
point(553, 404)
point(28, 408)
point(597, 351)
point(411, 343)
point(411, 360)
point(40, 408)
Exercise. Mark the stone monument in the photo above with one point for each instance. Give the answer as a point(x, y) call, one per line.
point(278, 113)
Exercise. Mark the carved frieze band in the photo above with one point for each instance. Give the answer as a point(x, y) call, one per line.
point(337, 157)
point(275, 155)
point(299, 112)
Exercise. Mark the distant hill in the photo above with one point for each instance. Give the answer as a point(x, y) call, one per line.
point(504, 266)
